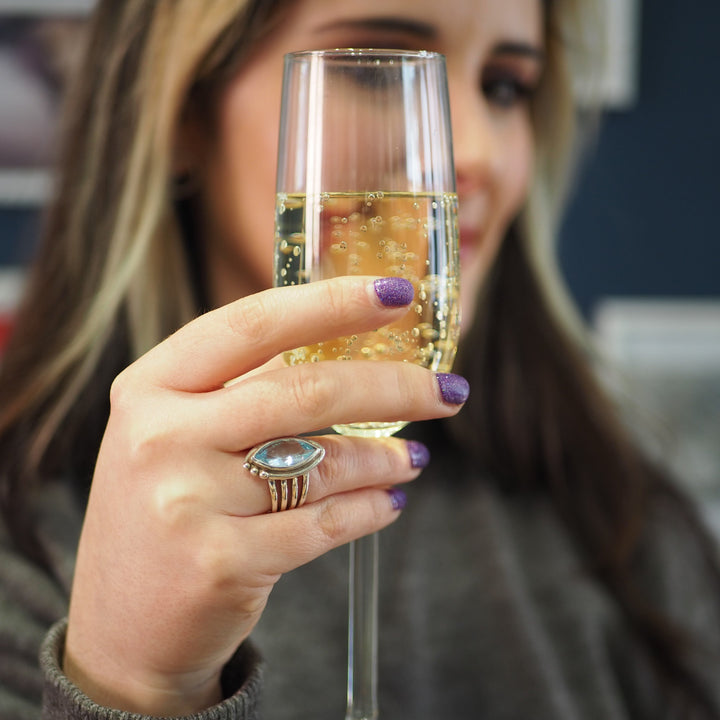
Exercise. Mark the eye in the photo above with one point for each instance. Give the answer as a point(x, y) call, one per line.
point(506, 90)
point(372, 76)
point(365, 76)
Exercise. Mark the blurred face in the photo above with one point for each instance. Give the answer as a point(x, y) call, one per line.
point(494, 62)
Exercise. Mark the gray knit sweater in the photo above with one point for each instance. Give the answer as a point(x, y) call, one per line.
point(486, 612)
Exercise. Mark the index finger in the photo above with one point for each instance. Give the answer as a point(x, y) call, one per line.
point(236, 338)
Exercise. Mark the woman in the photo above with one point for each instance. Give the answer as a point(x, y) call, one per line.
point(544, 569)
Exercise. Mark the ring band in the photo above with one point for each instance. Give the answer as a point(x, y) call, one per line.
point(282, 460)
point(284, 498)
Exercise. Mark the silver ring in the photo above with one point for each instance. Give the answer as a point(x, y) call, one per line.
point(282, 460)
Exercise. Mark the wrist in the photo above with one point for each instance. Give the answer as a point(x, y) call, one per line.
point(109, 684)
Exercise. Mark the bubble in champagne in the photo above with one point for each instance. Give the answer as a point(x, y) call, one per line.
point(397, 223)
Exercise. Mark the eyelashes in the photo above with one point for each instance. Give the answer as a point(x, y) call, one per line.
point(502, 90)
point(506, 82)
point(506, 90)
point(369, 77)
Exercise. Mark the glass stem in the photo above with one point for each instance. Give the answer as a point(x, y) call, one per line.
point(362, 630)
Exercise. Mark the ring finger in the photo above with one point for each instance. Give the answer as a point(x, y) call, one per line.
point(348, 464)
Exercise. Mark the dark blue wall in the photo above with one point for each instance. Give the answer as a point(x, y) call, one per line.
point(18, 229)
point(643, 219)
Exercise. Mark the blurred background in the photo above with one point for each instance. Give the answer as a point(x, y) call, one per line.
point(639, 247)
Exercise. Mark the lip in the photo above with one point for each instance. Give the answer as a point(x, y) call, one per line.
point(469, 240)
point(472, 215)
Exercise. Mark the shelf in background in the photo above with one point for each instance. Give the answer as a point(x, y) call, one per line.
point(664, 355)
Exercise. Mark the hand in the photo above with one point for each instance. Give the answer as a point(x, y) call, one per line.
point(179, 553)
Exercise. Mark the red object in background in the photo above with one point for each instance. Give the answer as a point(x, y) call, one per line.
point(5, 328)
point(12, 280)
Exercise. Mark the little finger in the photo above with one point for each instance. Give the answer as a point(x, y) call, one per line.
point(287, 540)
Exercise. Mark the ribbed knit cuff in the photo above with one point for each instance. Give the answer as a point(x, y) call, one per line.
point(62, 700)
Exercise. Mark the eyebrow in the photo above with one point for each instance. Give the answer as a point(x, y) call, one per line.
point(520, 48)
point(428, 32)
point(388, 24)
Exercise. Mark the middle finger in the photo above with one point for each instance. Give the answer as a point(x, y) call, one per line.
point(307, 398)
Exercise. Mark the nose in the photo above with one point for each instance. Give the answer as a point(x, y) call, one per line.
point(475, 146)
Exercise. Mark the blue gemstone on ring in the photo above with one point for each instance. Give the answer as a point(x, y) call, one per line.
point(286, 457)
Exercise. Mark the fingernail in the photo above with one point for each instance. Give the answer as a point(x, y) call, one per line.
point(419, 454)
point(394, 291)
point(398, 498)
point(453, 388)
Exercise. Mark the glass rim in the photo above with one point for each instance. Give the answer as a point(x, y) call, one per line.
point(375, 53)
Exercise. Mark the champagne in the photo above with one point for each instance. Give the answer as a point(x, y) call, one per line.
point(408, 235)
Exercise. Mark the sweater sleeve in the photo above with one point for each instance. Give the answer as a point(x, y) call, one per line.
point(32, 601)
point(241, 682)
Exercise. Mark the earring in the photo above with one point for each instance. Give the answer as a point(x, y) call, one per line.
point(185, 184)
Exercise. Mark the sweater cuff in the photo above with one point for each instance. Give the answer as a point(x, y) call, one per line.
point(62, 700)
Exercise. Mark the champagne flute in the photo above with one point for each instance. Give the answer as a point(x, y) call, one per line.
point(366, 186)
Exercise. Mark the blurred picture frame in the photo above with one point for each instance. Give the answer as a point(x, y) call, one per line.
point(39, 44)
point(622, 58)
point(616, 42)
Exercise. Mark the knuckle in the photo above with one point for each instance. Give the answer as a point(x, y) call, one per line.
point(335, 465)
point(311, 392)
point(337, 301)
point(394, 455)
point(216, 563)
point(174, 502)
point(146, 451)
point(322, 479)
point(333, 521)
point(248, 319)
point(122, 393)
point(146, 445)
point(131, 425)
point(405, 385)
point(378, 512)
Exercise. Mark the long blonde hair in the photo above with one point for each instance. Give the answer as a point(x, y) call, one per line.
point(112, 250)
point(574, 57)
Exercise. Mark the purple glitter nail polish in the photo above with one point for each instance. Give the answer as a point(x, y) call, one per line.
point(453, 388)
point(419, 454)
point(398, 498)
point(394, 291)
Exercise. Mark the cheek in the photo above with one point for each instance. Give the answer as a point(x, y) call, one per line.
point(242, 182)
point(513, 184)
point(253, 192)
point(519, 173)
point(510, 193)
